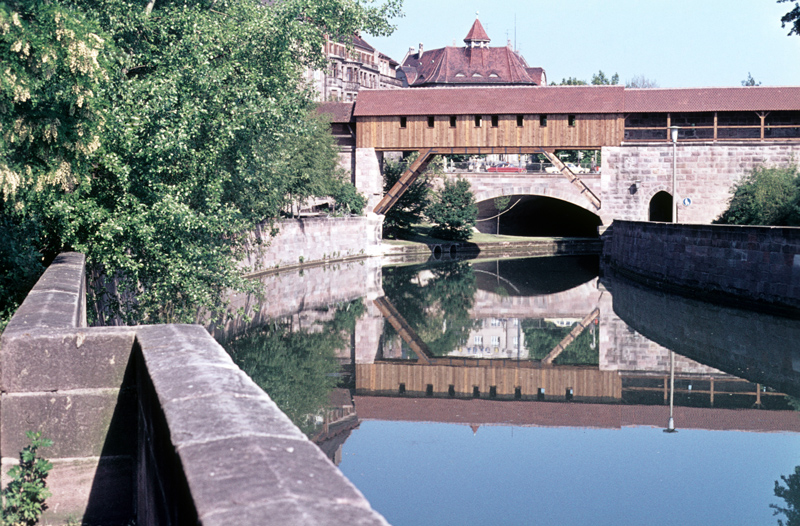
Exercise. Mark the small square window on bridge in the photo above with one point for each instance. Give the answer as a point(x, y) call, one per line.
point(429, 390)
point(495, 121)
point(478, 121)
point(403, 122)
point(452, 121)
point(520, 121)
point(431, 121)
point(571, 120)
point(543, 121)
point(476, 392)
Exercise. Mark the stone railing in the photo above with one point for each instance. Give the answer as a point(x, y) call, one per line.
point(154, 423)
point(749, 265)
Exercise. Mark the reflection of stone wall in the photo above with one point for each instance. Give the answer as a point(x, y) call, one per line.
point(287, 293)
point(574, 303)
point(747, 344)
point(369, 329)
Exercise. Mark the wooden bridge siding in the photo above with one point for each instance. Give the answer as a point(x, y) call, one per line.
point(585, 382)
point(590, 131)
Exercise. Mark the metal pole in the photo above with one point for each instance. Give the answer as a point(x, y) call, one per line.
point(674, 182)
point(671, 423)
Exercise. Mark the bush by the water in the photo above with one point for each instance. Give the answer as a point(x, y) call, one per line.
point(765, 196)
point(453, 211)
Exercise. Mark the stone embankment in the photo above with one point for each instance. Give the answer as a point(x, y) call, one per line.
point(746, 265)
point(155, 423)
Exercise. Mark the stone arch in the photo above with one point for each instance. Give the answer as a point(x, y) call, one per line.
point(650, 196)
point(569, 195)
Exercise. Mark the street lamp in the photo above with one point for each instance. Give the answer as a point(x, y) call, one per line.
point(671, 423)
point(673, 133)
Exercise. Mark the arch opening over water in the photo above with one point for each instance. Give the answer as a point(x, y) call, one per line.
point(536, 216)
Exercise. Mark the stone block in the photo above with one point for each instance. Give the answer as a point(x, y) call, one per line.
point(58, 360)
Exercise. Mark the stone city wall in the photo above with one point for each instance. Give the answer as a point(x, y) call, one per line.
point(705, 173)
point(312, 239)
point(758, 265)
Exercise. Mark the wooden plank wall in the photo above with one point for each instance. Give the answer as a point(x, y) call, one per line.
point(589, 131)
point(585, 382)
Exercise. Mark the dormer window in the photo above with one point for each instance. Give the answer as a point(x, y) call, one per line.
point(476, 74)
point(494, 75)
point(460, 75)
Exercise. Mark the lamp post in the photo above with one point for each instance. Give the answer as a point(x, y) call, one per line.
point(671, 422)
point(673, 133)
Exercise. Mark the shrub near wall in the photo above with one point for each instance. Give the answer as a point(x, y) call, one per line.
point(752, 264)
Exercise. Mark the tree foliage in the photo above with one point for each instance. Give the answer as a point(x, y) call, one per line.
point(789, 491)
point(600, 79)
point(750, 81)
point(542, 337)
point(453, 211)
point(765, 196)
point(25, 494)
point(409, 209)
point(153, 137)
point(297, 366)
point(792, 18)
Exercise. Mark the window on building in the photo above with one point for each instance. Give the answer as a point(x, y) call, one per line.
point(431, 121)
point(452, 121)
point(520, 121)
point(495, 121)
point(478, 340)
point(571, 120)
point(478, 121)
point(495, 322)
point(403, 122)
point(495, 340)
point(543, 121)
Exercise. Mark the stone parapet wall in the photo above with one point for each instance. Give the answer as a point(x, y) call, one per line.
point(314, 239)
point(154, 424)
point(759, 265)
point(705, 173)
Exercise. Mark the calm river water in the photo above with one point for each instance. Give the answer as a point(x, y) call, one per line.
point(529, 391)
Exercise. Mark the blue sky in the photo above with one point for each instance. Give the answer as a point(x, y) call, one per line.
point(677, 43)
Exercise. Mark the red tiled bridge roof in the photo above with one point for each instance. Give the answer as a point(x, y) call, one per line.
point(572, 99)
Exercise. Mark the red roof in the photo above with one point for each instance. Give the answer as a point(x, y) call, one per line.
point(468, 66)
point(490, 100)
point(477, 33)
point(510, 100)
point(551, 414)
point(339, 112)
point(751, 98)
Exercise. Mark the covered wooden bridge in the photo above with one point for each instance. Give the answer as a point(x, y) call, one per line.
point(531, 120)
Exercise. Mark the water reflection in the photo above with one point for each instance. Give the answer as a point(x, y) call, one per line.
point(481, 343)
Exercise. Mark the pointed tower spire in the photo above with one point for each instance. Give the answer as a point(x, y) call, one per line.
point(477, 36)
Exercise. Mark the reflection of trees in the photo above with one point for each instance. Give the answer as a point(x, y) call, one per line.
point(791, 494)
point(542, 336)
point(438, 308)
point(297, 367)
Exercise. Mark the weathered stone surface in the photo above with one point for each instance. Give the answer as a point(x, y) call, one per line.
point(62, 359)
point(57, 299)
point(325, 513)
point(76, 421)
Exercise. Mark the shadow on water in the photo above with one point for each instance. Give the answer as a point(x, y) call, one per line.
point(758, 347)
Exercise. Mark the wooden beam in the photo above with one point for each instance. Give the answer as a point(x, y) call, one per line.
point(569, 338)
point(405, 181)
point(574, 179)
point(405, 330)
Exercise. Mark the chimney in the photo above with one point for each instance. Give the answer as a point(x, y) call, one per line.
point(420, 50)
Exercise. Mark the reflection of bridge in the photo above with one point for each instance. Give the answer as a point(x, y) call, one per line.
point(616, 416)
point(724, 132)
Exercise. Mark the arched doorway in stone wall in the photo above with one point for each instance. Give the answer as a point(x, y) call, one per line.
point(661, 208)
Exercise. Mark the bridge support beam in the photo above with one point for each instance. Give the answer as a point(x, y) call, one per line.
point(367, 177)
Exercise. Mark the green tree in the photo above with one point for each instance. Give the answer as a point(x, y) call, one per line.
point(792, 18)
point(765, 196)
point(542, 337)
point(750, 81)
point(408, 210)
point(600, 79)
point(572, 81)
point(453, 211)
point(152, 138)
point(789, 491)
